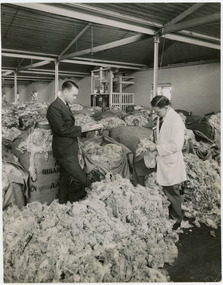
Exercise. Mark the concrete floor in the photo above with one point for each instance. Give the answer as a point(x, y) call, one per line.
point(199, 257)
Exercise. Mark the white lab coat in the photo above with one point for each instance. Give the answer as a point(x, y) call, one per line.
point(170, 141)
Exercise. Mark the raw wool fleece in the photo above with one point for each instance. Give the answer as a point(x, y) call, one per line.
point(215, 121)
point(38, 141)
point(106, 155)
point(83, 120)
point(10, 134)
point(119, 233)
point(136, 120)
point(201, 200)
point(202, 194)
point(112, 122)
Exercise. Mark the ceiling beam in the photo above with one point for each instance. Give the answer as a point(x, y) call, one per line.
point(46, 72)
point(61, 71)
point(190, 24)
point(74, 40)
point(52, 73)
point(111, 14)
point(41, 63)
point(37, 64)
point(29, 56)
point(104, 21)
point(26, 79)
point(31, 77)
point(105, 46)
point(192, 41)
point(109, 61)
point(88, 17)
point(199, 36)
point(20, 64)
point(7, 72)
point(29, 52)
point(95, 63)
point(73, 61)
point(186, 13)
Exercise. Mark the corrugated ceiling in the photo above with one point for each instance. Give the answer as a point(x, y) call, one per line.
point(111, 34)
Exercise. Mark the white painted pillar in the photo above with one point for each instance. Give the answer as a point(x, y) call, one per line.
point(56, 78)
point(155, 70)
point(15, 87)
point(110, 87)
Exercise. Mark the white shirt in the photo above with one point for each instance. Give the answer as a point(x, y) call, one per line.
point(63, 100)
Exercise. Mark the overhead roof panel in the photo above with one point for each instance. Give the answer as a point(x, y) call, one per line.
point(44, 32)
point(156, 13)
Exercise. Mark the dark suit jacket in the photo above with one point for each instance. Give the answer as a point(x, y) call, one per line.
point(65, 134)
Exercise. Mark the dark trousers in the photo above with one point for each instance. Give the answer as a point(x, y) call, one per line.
point(73, 181)
point(140, 171)
point(173, 195)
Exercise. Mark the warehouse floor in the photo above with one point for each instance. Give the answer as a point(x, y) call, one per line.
point(199, 256)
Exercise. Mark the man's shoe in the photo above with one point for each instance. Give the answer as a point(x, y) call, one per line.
point(176, 226)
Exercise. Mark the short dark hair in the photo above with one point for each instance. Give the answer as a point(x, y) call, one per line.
point(160, 101)
point(68, 85)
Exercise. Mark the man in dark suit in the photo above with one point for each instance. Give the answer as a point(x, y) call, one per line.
point(72, 182)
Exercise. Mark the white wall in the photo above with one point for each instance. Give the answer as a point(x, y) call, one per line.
point(45, 91)
point(84, 91)
point(194, 88)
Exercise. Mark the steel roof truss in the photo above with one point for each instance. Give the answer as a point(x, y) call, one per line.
point(190, 24)
point(74, 40)
point(186, 13)
point(87, 17)
point(109, 61)
point(52, 73)
point(189, 40)
point(107, 46)
point(37, 64)
point(73, 61)
point(61, 71)
point(7, 73)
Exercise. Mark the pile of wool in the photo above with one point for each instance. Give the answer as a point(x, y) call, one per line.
point(10, 134)
point(215, 121)
point(40, 140)
point(112, 122)
point(201, 200)
point(119, 233)
point(76, 107)
point(107, 154)
point(84, 119)
point(202, 193)
point(10, 119)
point(143, 145)
point(183, 117)
point(28, 118)
point(137, 119)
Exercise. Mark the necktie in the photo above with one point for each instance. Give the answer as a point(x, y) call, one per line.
point(160, 122)
point(68, 107)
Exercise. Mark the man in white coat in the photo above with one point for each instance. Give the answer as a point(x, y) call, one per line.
point(170, 163)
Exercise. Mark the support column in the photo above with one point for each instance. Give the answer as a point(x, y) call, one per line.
point(15, 87)
point(110, 87)
point(155, 71)
point(56, 78)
